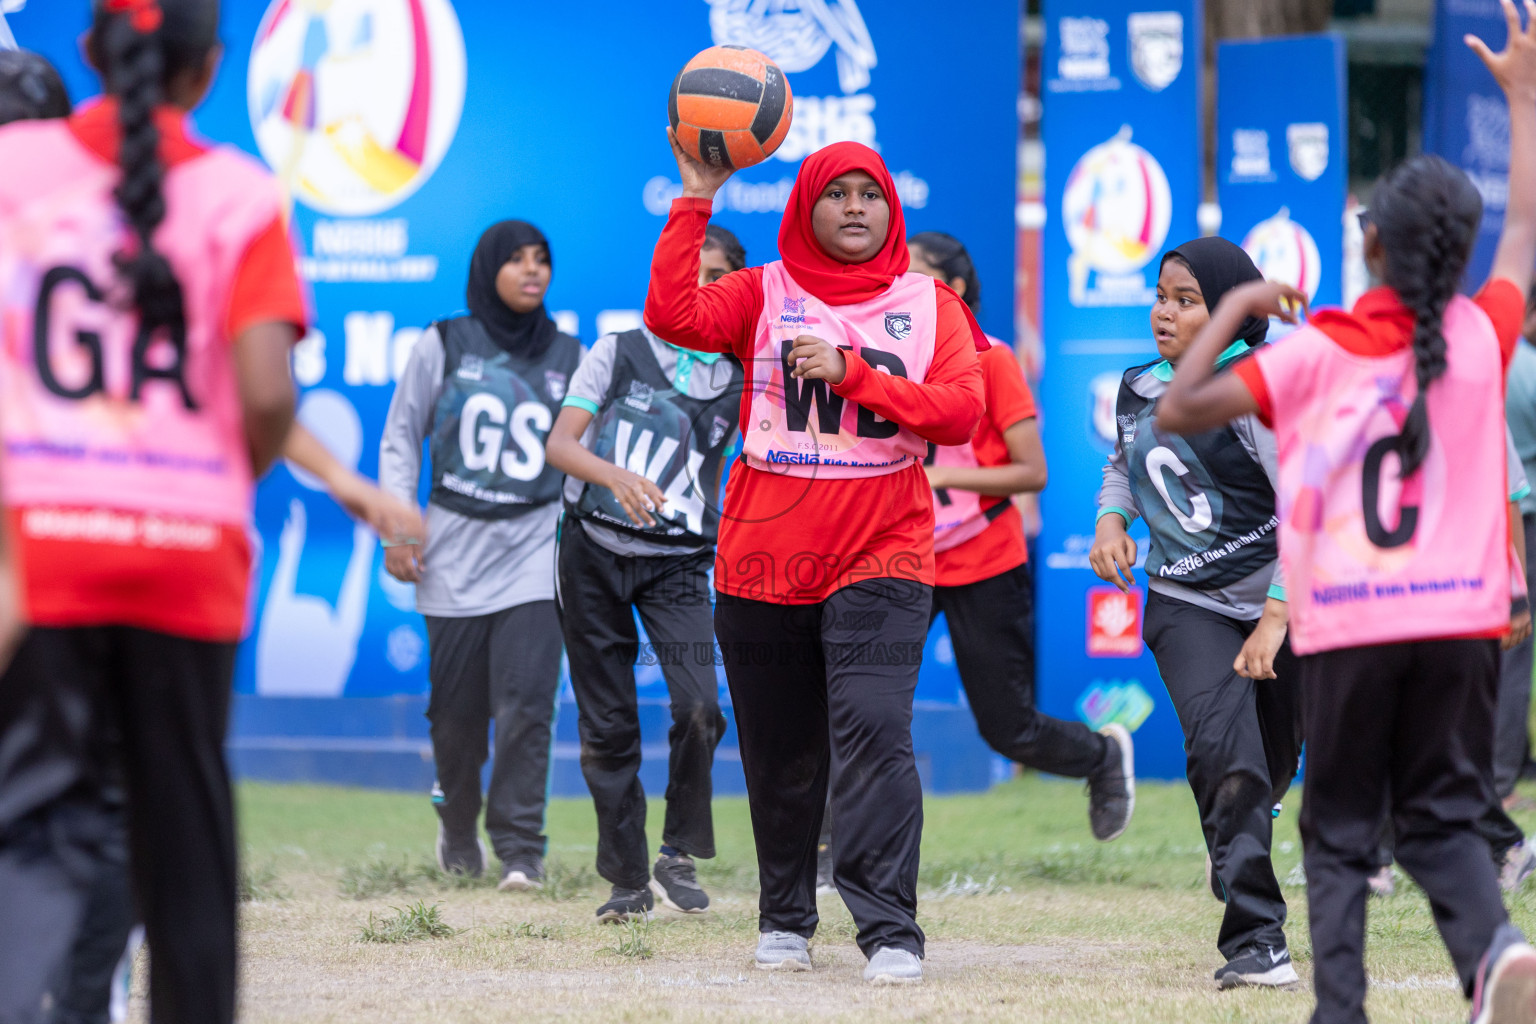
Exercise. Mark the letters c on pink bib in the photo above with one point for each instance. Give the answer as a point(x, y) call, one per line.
point(802, 427)
point(91, 413)
point(1371, 558)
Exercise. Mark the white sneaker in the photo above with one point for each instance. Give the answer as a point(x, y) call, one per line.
point(783, 951)
point(1519, 863)
point(892, 966)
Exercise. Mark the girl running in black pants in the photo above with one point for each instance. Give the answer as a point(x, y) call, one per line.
point(1215, 616)
point(485, 389)
point(1395, 532)
point(642, 437)
point(825, 562)
point(156, 277)
point(983, 583)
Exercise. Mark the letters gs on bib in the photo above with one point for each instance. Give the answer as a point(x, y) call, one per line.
point(167, 346)
point(485, 427)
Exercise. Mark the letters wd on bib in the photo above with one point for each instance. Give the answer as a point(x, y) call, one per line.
point(401, 129)
point(1122, 182)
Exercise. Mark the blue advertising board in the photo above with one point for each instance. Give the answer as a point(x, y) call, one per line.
point(1466, 119)
point(1282, 168)
point(401, 128)
point(1121, 90)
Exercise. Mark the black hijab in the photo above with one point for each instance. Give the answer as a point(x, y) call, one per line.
point(1219, 266)
point(526, 335)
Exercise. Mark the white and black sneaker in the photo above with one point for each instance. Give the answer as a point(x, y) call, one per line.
point(782, 951)
point(460, 855)
point(521, 875)
point(1518, 864)
point(675, 881)
point(1259, 965)
point(1112, 787)
point(1504, 988)
point(624, 904)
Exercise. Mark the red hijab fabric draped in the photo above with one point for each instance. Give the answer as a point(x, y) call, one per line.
point(830, 280)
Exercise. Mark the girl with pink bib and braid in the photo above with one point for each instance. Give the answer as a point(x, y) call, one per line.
point(149, 299)
point(1394, 530)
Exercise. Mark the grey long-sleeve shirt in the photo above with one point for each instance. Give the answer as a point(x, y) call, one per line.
point(471, 566)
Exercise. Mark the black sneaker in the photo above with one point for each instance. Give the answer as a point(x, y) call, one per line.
point(1112, 788)
point(626, 903)
point(1258, 965)
point(675, 881)
point(460, 855)
point(825, 886)
point(521, 874)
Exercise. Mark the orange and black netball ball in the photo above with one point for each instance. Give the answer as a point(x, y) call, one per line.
point(730, 106)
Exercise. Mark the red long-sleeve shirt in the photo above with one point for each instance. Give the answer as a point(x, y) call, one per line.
point(797, 540)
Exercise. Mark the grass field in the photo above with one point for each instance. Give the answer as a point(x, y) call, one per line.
point(1028, 919)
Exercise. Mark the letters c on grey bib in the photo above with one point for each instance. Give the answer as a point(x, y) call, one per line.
point(1207, 501)
point(489, 428)
point(672, 439)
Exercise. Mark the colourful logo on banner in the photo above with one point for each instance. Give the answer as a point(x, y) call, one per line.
point(354, 103)
point(1115, 702)
point(1114, 623)
point(1285, 251)
point(1117, 208)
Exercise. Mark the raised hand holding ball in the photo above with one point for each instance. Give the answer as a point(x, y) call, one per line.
point(730, 107)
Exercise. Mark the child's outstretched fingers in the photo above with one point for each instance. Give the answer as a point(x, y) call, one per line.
point(1514, 67)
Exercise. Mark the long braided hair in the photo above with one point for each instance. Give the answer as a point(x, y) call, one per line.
point(141, 46)
point(1426, 214)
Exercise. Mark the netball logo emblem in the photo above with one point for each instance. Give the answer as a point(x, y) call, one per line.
point(1285, 251)
point(1157, 47)
point(1308, 145)
point(798, 33)
point(1117, 208)
point(898, 325)
point(355, 102)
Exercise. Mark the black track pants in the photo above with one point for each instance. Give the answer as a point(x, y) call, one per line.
point(599, 594)
point(1405, 729)
point(823, 698)
point(992, 630)
point(167, 698)
point(502, 667)
point(1242, 741)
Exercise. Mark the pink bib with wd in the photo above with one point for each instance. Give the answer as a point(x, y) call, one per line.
point(801, 427)
point(1370, 558)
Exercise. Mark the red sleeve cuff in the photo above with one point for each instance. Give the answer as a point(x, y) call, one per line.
point(853, 379)
point(693, 204)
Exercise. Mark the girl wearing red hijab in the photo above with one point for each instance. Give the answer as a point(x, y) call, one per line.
point(825, 563)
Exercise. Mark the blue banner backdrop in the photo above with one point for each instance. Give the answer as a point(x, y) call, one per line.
point(1282, 169)
point(1122, 183)
point(1465, 117)
point(401, 129)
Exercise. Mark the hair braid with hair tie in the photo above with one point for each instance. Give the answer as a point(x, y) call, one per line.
point(1426, 213)
point(134, 68)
